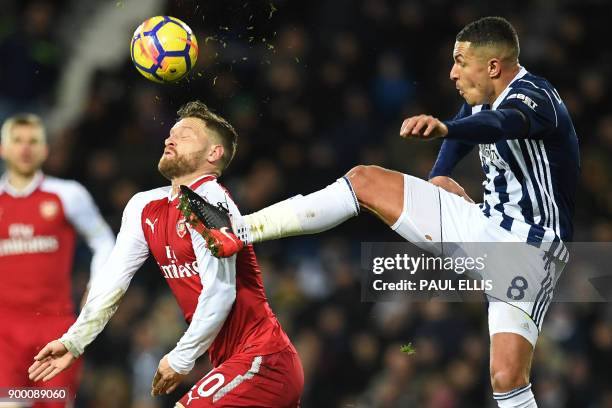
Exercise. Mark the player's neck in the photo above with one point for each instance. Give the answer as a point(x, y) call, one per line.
point(503, 82)
point(20, 181)
point(188, 179)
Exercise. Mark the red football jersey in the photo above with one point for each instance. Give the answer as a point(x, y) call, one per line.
point(222, 299)
point(37, 240)
point(251, 325)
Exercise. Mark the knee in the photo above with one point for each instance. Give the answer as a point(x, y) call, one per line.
point(508, 378)
point(363, 179)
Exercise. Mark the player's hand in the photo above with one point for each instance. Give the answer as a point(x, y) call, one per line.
point(423, 127)
point(451, 186)
point(50, 361)
point(166, 379)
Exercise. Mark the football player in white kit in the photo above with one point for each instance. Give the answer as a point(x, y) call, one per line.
point(529, 153)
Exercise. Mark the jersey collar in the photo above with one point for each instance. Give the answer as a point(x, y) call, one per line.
point(522, 72)
point(5, 186)
point(193, 185)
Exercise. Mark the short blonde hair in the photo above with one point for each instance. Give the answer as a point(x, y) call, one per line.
point(27, 119)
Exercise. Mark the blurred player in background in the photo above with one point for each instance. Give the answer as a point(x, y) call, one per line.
point(530, 157)
point(223, 300)
point(39, 216)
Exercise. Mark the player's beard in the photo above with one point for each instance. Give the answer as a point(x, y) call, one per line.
point(179, 166)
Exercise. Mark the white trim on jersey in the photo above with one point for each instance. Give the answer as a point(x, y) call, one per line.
point(173, 196)
point(24, 192)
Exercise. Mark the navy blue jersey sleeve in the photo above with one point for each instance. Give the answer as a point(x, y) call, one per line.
point(525, 113)
point(489, 126)
point(452, 151)
point(538, 107)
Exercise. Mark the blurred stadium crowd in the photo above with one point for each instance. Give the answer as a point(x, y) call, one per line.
point(313, 89)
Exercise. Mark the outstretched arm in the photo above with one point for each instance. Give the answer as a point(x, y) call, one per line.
point(106, 291)
point(482, 127)
point(525, 113)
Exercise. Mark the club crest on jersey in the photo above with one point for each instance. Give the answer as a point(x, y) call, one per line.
point(48, 209)
point(490, 155)
point(181, 227)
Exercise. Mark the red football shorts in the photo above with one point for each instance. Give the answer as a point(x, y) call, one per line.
point(248, 380)
point(21, 338)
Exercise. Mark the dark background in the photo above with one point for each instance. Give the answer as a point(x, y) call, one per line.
point(313, 89)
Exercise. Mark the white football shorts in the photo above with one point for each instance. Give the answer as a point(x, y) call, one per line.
point(432, 218)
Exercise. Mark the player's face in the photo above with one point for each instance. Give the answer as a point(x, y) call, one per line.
point(185, 148)
point(25, 149)
point(470, 74)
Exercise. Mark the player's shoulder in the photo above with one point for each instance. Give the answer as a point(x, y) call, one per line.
point(532, 95)
point(216, 193)
point(50, 183)
point(141, 199)
point(532, 81)
point(531, 89)
point(65, 188)
point(211, 186)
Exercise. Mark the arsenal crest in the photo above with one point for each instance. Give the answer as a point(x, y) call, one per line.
point(181, 227)
point(48, 209)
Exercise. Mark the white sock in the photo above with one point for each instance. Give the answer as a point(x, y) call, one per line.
point(521, 397)
point(301, 215)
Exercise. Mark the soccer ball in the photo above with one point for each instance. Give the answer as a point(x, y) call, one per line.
point(164, 49)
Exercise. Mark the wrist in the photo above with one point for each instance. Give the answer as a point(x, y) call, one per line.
point(445, 129)
point(71, 347)
point(177, 364)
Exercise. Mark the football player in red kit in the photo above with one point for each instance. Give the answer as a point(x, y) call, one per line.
point(223, 300)
point(39, 216)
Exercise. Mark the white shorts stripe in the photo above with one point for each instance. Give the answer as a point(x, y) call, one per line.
point(239, 379)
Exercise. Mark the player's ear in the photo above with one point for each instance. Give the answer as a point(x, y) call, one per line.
point(45, 152)
point(215, 153)
point(494, 67)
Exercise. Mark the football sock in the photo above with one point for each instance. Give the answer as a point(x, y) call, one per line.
point(301, 215)
point(521, 397)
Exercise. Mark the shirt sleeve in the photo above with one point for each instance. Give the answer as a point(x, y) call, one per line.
point(489, 127)
point(109, 286)
point(83, 214)
point(538, 108)
point(452, 151)
point(215, 302)
point(525, 113)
